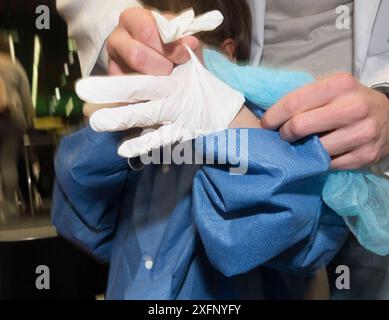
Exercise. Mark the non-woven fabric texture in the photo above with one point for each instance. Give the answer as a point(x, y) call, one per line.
point(272, 217)
point(262, 86)
point(362, 199)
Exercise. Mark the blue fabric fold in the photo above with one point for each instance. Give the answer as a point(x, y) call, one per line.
point(193, 232)
point(272, 217)
point(254, 219)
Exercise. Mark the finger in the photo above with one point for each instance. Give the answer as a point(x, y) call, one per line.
point(133, 116)
point(123, 89)
point(339, 113)
point(160, 138)
point(114, 69)
point(180, 53)
point(349, 138)
point(123, 49)
point(357, 159)
point(341, 141)
point(190, 41)
point(142, 27)
point(310, 97)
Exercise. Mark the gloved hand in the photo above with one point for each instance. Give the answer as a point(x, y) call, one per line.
point(262, 86)
point(187, 104)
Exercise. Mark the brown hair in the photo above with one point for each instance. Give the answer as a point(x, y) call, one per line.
point(237, 21)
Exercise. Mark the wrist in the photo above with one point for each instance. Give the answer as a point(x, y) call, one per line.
point(385, 93)
point(383, 88)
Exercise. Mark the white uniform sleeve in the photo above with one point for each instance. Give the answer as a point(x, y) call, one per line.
point(90, 22)
point(258, 10)
point(381, 83)
point(381, 79)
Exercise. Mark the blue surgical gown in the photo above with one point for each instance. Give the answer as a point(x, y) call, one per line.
point(190, 232)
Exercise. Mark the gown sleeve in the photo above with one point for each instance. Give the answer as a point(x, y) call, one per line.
point(90, 179)
point(273, 215)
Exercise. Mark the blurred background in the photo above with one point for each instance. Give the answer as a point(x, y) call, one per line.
point(38, 69)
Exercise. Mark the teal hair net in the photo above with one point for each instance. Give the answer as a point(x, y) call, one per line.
point(362, 199)
point(262, 86)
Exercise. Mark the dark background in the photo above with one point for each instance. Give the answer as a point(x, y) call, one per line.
point(74, 274)
point(19, 16)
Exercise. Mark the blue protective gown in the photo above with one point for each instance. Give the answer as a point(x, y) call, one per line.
point(194, 232)
point(360, 197)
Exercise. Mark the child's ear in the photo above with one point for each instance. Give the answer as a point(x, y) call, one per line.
point(228, 47)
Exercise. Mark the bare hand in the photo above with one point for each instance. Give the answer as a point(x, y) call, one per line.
point(135, 45)
point(351, 119)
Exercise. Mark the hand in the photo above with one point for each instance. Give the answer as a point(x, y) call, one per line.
point(185, 105)
point(352, 120)
point(135, 45)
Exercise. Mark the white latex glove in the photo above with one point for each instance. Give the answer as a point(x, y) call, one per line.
point(187, 104)
point(186, 24)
